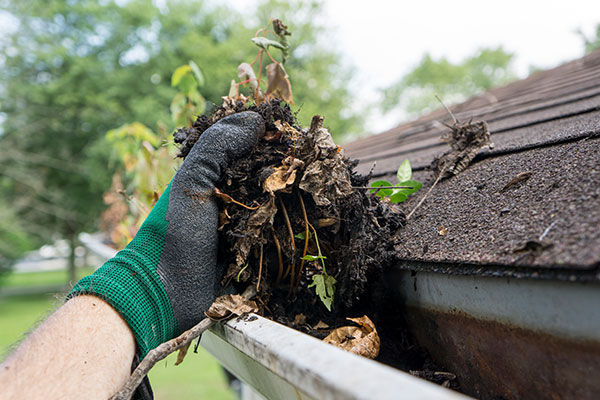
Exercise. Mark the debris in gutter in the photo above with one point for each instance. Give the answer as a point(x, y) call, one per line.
point(362, 340)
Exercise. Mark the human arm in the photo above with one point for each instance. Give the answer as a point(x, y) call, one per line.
point(83, 350)
point(165, 279)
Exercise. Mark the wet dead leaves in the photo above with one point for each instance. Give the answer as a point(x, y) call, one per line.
point(466, 139)
point(229, 305)
point(362, 339)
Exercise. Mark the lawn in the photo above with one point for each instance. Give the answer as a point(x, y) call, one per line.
point(45, 278)
point(199, 377)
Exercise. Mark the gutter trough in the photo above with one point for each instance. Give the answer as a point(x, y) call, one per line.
point(507, 338)
point(504, 337)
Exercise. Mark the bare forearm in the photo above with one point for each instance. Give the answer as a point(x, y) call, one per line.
point(83, 350)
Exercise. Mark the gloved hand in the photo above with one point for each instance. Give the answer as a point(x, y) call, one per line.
point(167, 277)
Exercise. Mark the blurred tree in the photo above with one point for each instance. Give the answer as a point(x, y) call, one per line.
point(72, 70)
point(415, 92)
point(590, 43)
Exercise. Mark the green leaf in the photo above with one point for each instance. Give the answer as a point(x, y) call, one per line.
point(382, 192)
point(416, 185)
point(183, 79)
point(325, 288)
point(404, 171)
point(308, 257)
point(197, 74)
point(398, 197)
point(179, 74)
point(264, 43)
point(302, 236)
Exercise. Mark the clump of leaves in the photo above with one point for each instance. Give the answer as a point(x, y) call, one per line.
point(399, 192)
point(278, 83)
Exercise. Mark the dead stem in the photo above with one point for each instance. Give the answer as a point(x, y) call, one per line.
point(260, 266)
point(157, 354)
point(163, 350)
point(229, 199)
point(291, 232)
point(442, 172)
point(278, 247)
point(306, 234)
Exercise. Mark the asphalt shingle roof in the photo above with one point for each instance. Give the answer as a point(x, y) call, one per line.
point(547, 125)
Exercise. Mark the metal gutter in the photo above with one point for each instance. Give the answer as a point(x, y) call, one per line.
point(282, 363)
point(277, 362)
point(506, 337)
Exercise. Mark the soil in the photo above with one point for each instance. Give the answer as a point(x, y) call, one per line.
point(295, 175)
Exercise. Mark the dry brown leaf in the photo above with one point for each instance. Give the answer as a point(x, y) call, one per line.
point(278, 82)
point(229, 304)
point(283, 176)
point(466, 139)
point(246, 73)
point(300, 319)
point(362, 340)
point(260, 220)
point(321, 325)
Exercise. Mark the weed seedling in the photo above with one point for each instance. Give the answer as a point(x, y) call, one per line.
point(397, 193)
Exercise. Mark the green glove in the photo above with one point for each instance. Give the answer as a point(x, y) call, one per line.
point(167, 276)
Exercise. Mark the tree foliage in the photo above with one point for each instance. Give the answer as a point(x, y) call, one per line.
point(453, 82)
point(590, 43)
point(70, 71)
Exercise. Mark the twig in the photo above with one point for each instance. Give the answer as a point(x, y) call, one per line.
point(260, 266)
point(306, 234)
point(543, 235)
point(291, 232)
point(157, 354)
point(278, 247)
point(447, 109)
point(382, 187)
point(164, 349)
point(426, 194)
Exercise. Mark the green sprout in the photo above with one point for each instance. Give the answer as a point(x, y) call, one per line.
point(396, 193)
point(323, 283)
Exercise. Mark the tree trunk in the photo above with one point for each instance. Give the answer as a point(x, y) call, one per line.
point(71, 264)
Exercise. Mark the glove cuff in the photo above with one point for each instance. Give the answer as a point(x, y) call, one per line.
point(130, 284)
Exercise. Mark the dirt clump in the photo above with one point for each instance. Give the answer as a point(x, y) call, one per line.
point(291, 219)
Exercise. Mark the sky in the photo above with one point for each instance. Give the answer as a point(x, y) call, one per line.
point(383, 39)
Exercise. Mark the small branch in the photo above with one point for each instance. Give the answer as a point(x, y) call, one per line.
point(164, 349)
point(382, 187)
point(442, 172)
point(271, 57)
point(157, 354)
point(447, 109)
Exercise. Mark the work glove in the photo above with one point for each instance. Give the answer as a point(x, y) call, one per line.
point(167, 276)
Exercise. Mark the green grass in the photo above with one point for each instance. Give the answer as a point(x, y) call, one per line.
point(198, 377)
point(41, 278)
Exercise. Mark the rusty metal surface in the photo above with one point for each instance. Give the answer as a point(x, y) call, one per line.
point(507, 338)
point(494, 360)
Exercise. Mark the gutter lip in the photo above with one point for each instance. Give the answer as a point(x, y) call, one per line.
point(314, 368)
